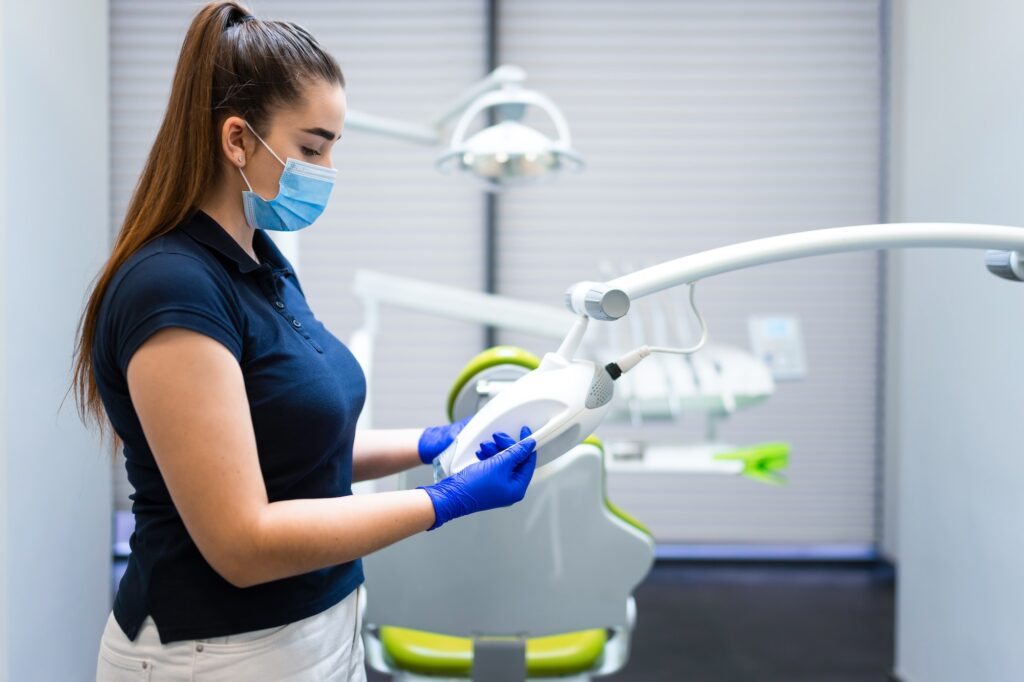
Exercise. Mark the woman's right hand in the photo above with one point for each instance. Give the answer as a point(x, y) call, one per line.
point(499, 480)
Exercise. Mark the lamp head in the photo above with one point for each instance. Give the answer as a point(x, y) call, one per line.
point(509, 153)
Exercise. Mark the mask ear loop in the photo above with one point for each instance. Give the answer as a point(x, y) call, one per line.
point(264, 143)
point(245, 178)
point(253, 131)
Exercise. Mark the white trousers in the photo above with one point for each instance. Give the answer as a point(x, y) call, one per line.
point(324, 647)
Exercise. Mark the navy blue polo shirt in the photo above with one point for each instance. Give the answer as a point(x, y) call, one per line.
point(305, 392)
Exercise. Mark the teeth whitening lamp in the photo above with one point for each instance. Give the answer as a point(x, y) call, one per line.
point(565, 398)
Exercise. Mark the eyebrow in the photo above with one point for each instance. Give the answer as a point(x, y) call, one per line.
point(322, 132)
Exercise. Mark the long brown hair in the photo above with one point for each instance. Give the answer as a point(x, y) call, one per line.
point(231, 63)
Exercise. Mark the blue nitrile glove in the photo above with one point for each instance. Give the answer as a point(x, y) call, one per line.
point(435, 439)
point(502, 441)
point(497, 481)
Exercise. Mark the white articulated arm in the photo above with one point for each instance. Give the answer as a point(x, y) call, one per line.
point(610, 300)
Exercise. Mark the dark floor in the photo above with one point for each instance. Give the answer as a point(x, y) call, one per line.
point(761, 622)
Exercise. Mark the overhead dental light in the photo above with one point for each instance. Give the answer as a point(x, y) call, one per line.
point(510, 153)
point(504, 154)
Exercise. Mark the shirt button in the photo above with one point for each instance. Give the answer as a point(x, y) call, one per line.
point(279, 305)
point(199, 647)
point(296, 324)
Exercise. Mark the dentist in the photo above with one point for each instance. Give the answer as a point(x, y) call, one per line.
point(235, 406)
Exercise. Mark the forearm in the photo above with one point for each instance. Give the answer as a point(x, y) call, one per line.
point(292, 537)
point(381, 452)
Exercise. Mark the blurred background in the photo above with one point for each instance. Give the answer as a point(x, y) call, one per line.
point(893, 547)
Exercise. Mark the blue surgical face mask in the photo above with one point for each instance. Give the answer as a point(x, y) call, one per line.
point(301, 197)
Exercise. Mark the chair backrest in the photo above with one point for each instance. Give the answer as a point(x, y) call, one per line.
point(559, 561)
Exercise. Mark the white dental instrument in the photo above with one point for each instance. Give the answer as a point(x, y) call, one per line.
point(564, 400)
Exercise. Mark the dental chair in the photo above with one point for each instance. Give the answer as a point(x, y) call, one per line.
point(542, 589)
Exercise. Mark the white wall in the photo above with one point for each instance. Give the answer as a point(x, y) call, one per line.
point(956, 408)
point(4, 599)
point(54, 481)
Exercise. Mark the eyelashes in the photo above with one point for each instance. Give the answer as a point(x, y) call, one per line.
point(309, 152)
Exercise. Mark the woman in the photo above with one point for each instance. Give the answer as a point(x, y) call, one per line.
point(236, 407)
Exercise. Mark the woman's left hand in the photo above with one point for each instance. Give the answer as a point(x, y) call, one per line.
point(435, 439)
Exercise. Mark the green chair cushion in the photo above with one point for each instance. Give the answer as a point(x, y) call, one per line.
point(429, 653)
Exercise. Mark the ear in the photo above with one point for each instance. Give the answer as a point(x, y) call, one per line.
point(232, 141)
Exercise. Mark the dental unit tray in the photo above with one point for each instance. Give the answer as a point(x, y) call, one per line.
point(566, 398)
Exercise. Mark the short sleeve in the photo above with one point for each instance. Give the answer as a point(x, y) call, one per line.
point(171, 290)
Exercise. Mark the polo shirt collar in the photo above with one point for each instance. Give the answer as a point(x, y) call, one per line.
point(205, 229)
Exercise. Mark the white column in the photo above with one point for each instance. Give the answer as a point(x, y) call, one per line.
point(4, 591)
point(55, 498)
point(957, 351)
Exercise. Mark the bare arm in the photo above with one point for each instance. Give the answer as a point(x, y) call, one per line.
point(190, 397)
point(381, 452)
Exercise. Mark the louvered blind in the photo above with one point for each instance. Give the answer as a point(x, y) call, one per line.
point(703, 123)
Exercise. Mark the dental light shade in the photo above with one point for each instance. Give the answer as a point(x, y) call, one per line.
point(564, 400)
point(510, 153)
point(505, 154)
